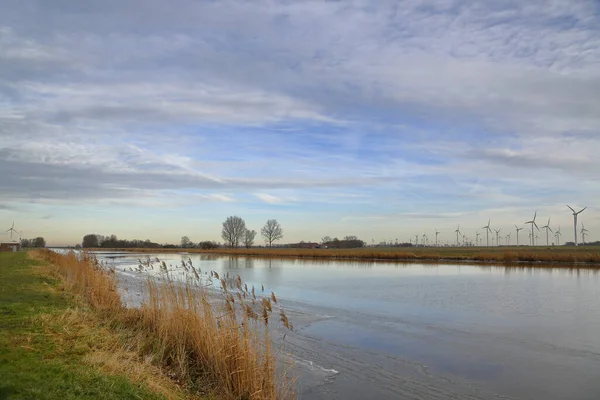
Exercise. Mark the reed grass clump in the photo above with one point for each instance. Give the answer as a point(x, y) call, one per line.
point(211, 333)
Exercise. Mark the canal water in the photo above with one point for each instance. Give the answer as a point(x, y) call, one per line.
point(373, 330)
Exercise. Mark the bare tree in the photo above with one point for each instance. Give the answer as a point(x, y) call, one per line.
point(249, 236)
point(186, 242)
point(271, 231)
point(325, 239)
point(234, 229)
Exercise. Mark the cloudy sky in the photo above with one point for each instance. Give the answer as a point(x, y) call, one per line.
point(381, 119)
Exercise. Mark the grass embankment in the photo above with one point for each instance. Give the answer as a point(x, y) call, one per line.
point(52, 349)
point(509, 254)
point(220, 346)
point(72, 337)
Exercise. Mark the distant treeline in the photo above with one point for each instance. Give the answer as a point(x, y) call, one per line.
point(348, 242)
point(94, 240)
point(37, 242)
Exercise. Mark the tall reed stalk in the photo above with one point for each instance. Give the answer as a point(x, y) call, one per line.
point(216, 339)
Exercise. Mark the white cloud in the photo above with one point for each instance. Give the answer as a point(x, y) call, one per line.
point(452, 103)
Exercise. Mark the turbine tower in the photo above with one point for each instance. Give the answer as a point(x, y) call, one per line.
point(436, 235)
point(457, 233)
point(557, 234)
point(11, 230)
point(487, 232)
point(508, 239)
point(497, 233)
point(532, 222)
point(583, 233)
point(477, 238)
point(575, 214)
point(547, 227)
point(518, 229)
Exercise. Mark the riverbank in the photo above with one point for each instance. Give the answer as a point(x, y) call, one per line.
point(583, 256)
point(54, 347)
point(65, 326)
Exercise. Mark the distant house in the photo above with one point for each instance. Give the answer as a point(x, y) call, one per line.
point(309, 245)
point(10, 246)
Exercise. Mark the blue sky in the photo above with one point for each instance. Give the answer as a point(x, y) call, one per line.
point(153, 119)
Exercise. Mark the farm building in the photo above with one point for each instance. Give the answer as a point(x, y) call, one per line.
point(10, 246)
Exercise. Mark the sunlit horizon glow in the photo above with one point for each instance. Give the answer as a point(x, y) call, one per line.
point(383, 120)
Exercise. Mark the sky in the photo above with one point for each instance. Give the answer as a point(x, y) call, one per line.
point(154, 119)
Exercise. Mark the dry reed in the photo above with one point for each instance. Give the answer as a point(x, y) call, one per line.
point(218, 339)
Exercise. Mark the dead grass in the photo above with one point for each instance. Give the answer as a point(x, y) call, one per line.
point(210, 344)
point(86, 332)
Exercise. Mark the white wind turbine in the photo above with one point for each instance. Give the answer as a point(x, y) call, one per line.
point(557, 234)
point(457, 233)
point(497, 234)
point(518, 229)
point(583, 233)
point(532, 222)
point(547, 227)
point(575, 214)
point(477, 238)
point(11, 230)
point(487, 232)
point(508, 239)
point(436, 235)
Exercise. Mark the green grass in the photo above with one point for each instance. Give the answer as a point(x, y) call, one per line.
point(33, 365)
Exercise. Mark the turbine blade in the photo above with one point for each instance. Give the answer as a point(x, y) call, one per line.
point(570, 208)
point(581, 211)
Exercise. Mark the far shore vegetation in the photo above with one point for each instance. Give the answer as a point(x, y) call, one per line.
point(583, 256)
point(240, 240)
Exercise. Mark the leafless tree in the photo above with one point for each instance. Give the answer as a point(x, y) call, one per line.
point(325, 239)
point(249, 236)
point(271, 231)
point(234, 229)
point(186, 242)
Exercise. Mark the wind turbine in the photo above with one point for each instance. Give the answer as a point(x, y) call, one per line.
point(547, 227)
point(575, 214)
point(11, 230)
point(436, 235)
point(497, 233)
point(457, 233)
point(557, 234)
point(518, 229)
point(416, 239)
point(424, 239)
point(583, 233)
point(477, 238)
point(487, 232)
point(532, 222)
point(508, 239)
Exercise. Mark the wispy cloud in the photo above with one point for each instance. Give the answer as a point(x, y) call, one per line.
point(354, 110)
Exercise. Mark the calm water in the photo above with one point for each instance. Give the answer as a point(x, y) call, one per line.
point(414, 331)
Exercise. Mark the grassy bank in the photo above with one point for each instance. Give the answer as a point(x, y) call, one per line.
point(217, 344)
point(587, 255)
point(52, 349)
